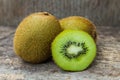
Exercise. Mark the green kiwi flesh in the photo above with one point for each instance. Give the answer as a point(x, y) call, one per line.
point(73, 50)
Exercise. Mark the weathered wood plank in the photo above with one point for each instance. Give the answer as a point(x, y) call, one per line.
point(101, 12)
point(106, 66)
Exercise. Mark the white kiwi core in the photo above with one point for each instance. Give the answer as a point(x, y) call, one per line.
point(74, 49)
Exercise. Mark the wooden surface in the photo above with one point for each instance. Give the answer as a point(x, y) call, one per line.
point(106, 66)
point(101, 12)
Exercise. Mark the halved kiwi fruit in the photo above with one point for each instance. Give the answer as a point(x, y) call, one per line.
point(73, 50)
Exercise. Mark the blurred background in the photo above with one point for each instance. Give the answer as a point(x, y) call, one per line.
point(101, 12)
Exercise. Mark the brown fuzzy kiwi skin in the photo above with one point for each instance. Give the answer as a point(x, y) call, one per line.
point(34, 35)
point(79, 23)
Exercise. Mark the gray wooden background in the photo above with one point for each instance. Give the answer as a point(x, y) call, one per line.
point(101, 12)
point(104, 13)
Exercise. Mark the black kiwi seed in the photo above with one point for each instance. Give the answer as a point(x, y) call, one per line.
point(78, 44)
point(69, 43)
point(74, 43)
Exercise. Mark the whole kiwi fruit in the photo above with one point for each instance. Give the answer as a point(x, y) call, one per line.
point(79, 23)
point(34, 35)
point(73, 50)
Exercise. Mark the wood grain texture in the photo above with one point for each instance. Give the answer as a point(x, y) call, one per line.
point(106, 66)
point(101, 12)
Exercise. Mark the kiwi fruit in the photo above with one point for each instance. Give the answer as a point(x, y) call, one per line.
point(34, 35)
point(79, 23)
point(73, 50)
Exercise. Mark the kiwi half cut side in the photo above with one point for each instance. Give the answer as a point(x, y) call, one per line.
point(73, 50)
